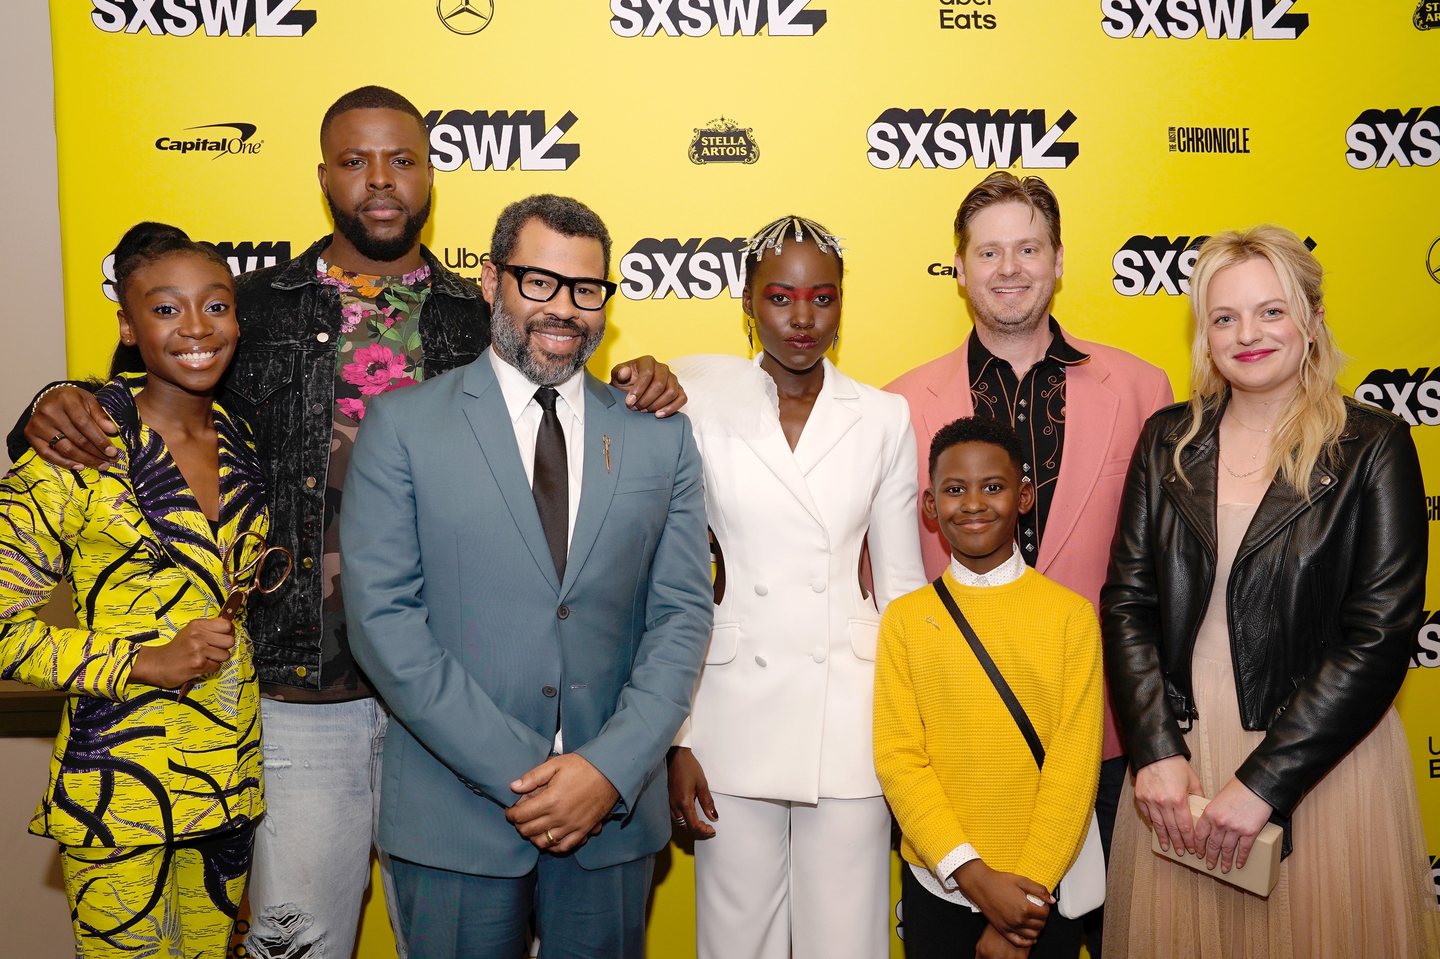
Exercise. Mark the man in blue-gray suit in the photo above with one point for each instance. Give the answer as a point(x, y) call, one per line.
point(526, 572)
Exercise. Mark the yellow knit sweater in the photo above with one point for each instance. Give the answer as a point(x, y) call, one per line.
point(954, 766)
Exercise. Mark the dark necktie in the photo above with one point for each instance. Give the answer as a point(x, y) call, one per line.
point(551, 483)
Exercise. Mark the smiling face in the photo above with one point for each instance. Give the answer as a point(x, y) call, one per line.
point(1255, 339)
point(977, 496)
point(180, 312)
point(794, 299)
point(547, 341)
point(376, 178)
point(1009, 268)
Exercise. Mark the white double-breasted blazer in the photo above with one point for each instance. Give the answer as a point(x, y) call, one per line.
point(785, 699)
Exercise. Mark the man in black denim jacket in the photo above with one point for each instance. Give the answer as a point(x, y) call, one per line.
point(323, 727)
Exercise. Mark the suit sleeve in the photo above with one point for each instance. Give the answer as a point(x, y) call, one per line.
point(679, 609)
point(894, 537)
point(1066, 794)
point(1361, 671)
point(422, 683)
point(44, 510)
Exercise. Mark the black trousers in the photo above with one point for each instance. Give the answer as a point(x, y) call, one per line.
point(936, 929)
point(1107, 803)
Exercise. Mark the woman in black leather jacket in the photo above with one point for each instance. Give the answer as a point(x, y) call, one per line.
point(1266, 583)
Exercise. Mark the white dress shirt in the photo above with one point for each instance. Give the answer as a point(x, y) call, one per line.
point(939, 882)
point(525, 416)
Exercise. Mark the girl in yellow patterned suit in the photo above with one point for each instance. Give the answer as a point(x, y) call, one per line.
point(152, 794)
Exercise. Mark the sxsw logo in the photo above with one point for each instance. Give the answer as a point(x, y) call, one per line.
point(500, 140)
point(1378, 138)
point(1427, 650)
point(1415, 397)
point(242, 257)
point(1148, 264)
point(1183, 19)
point(903, 138)
point(695, 18)
point(655, 269)
point(180, 18)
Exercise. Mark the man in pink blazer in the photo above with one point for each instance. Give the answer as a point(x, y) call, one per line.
point(1078, 407)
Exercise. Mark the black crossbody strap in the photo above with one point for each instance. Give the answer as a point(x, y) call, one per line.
point(1017, 712)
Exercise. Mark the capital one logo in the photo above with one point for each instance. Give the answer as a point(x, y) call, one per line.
point(904, 138)
point(1149, 264)
point(500, 140)
point(695, 18)
point(1220, 19)
point(1379, 138)
point(655, 269)
point(242, 257)
point(1415, 397)
point(180, 18)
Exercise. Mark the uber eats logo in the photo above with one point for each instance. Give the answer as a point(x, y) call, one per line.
point(500, 140)
point(1219, 19)
point(904, 138)
point(655, 269)
point(1149, 264)
point(695, 18)
point(180, 18)
point(1379, 138)
point(1413, 396)
point(242, 257)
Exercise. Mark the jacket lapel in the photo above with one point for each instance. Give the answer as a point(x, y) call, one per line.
point(772, 449)
point(600, 473)
point(1087, 441)
point(1195, 502)
point(836, 411)
point(1281, 505)
point(484, 407)
point(951, 396)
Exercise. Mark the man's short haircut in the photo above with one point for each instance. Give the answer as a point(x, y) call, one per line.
point(368, 98)
point(977, 429)
point(1002, 186)
point(566, 216)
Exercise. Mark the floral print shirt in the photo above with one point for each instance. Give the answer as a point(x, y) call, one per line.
point(379, 351)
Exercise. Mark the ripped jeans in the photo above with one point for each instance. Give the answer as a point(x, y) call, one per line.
point(312, 846)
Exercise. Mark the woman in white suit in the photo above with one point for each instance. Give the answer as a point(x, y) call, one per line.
point(804, 468)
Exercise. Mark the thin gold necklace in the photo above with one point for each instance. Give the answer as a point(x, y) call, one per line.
point(1240, 475)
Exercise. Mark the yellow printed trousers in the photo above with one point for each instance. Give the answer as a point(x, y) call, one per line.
point(173, 901)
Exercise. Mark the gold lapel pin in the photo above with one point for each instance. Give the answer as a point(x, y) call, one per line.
point(931, 621)
point(607, 452)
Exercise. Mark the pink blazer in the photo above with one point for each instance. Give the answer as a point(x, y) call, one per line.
point(1107, 400)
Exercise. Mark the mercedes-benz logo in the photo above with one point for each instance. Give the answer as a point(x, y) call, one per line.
point(465, 17)
point(1432, 260)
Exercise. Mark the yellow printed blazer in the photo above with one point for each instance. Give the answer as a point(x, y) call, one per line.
point(132, 765)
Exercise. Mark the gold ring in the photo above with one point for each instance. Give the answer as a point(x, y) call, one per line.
point(552, 839)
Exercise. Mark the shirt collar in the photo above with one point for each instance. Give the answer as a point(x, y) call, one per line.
point(519, 392)
point(1060, 350)
point(1007, 572)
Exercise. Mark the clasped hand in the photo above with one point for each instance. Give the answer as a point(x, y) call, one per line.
point(563, 802)
point(1005, 900)
point(1225, 832)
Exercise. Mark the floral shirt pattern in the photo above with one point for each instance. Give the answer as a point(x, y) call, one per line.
point(379, 351)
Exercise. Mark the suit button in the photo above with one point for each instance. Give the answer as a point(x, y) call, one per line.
point(819, 654)
point(760, 661)
point(549, 691)
point(818, 586)
point(563, 612)
point(761, 589)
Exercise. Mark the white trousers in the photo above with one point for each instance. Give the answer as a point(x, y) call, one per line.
point(781, 880)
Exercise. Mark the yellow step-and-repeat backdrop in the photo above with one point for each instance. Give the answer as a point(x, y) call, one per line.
point(687, 124)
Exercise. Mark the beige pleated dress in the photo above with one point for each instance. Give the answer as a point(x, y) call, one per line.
point(1357, 884)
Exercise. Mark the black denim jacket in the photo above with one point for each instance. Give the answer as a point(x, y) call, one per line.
point(282, 381)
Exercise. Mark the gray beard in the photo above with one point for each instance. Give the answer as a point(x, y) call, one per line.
point(512, 345)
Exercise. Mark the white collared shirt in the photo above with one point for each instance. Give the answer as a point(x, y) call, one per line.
point(525, 416)
point(526, 413)
point(939, 883)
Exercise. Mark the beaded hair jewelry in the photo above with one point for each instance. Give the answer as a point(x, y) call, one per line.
point(772, 237)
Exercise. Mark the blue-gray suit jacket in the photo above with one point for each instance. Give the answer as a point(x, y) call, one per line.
point(458, 619)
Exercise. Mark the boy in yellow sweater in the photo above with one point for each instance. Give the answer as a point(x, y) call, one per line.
point(988, 834)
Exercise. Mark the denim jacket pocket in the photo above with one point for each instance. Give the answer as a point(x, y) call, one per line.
point(256, 374)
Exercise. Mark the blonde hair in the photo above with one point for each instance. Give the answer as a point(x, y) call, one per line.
point(1309, 427)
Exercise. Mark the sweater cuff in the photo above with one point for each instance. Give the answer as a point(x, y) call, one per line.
point(958, 857)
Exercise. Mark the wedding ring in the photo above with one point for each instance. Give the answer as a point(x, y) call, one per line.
point(552, 839)
point(56, 439)
point(679, 820)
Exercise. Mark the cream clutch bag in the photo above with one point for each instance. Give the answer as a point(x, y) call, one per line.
point(1259, 874)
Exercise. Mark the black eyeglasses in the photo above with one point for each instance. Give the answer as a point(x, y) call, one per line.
point(587, 293)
